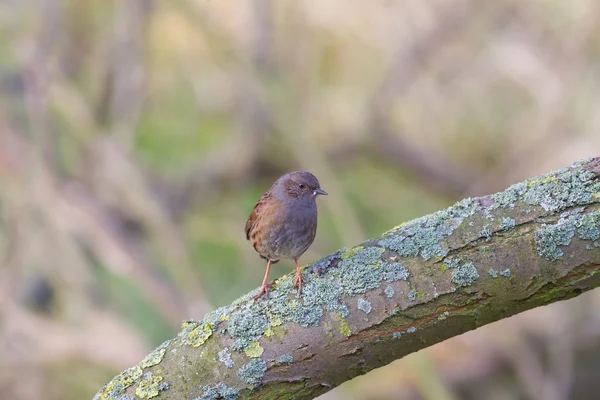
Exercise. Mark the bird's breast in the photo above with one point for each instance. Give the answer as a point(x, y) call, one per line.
point(290, 233)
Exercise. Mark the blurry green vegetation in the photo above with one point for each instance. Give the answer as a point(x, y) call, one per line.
point(143, 132)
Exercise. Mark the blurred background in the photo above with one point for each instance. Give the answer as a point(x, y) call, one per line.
point(136, 136)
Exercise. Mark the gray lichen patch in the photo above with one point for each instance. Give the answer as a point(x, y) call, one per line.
point(389, 291)
point(363, 305)
point(358, 270)
point(485, 232)
point(253, 372)
point(495, 274)
point(507, 224)
point(218, 315)
point(588, 227)
point(464, 272)
point(412, 295)
point(562, 189)
point(549, 238)
point(225, 357)
point(246, 325)
point(506, 273)
point(465, 208)
point(425, 235)
point(218, 392)
point(394, 271)
point(509, 197)
point(555, 191)
point(286, 359)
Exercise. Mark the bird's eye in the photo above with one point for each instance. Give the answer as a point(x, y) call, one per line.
point(301, 186)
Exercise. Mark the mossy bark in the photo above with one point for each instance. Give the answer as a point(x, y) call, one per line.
point(427, 280)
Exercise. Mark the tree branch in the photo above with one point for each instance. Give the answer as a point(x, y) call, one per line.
point(479, 261)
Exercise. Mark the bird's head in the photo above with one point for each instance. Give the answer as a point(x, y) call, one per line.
point(302, 184)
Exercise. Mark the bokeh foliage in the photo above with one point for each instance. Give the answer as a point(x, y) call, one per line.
point(135, 137)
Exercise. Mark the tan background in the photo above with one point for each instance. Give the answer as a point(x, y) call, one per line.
point(135, 137)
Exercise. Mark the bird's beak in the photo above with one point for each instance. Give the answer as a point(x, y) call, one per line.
point(320, 191)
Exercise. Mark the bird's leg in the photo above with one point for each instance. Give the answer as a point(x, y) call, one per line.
point(299, 278)
point(265, 286)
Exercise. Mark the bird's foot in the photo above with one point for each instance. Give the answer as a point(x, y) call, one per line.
point(264, 290)
point(298, 281)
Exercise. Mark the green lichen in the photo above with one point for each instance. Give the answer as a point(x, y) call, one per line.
point(150, 386)
point(194, 333)
point(254, 350)
point(443, 316)
point(269, 331)
point(119, 384)
point(218, 392)
point(363, 305)
point(253, 372)
point(345, 328)
point(350, 253)
point(156, 356)
point(412, 329)
point(217, 316)
point(286, 359)
point(394, 228)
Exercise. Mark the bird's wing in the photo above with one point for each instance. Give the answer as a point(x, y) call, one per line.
point(260, 204)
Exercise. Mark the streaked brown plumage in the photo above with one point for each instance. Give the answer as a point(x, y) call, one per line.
point(283, 223)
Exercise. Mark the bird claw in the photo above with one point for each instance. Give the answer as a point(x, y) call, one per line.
point(298, 282)
point(264, 290)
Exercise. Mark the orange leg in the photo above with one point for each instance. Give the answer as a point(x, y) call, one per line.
point(265, 286)
point(299, 278)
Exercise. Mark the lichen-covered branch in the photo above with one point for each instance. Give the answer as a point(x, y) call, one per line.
point(422, 282)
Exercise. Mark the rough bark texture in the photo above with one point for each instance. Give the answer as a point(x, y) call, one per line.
point(422, 282)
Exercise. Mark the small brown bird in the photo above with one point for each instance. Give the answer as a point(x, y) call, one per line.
point(283, 222)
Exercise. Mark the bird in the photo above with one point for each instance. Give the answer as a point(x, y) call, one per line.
point(283, 223)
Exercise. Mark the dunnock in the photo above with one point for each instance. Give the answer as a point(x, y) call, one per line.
point(283, 222)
